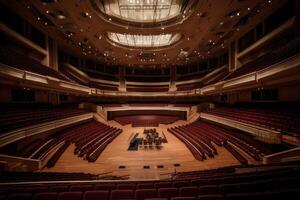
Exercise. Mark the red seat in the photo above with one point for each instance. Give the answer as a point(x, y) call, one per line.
point(145, 193)
point(126, 186)
point(105, 186)
point(168, 192)
point(188, 191)
point(45, 196)
point(121, 194)
point(163, 185)
point(208, 189)
point(69, 196)
point(81, 188)
point(239, 196)
point(96, 195)
point(20, 196)
point(145, 186)
point(211, 197)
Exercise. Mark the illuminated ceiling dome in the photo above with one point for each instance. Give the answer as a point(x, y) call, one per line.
point(142, 10)
point(146, 41)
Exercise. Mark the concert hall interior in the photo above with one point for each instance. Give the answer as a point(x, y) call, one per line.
point(149, 99)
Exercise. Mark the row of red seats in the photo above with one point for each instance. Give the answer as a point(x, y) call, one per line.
point(148, 194)
point(280, 121)
point(199, 138)
point(22, 62)
point(90, 140)
point(288, 50)
point(146, 120)
point(147, 89)
point(250, 186)
point(14, 116)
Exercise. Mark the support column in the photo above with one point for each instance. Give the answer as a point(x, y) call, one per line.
point(232, 56)
point(172, 79)
point(122, 72)
point(53, 54)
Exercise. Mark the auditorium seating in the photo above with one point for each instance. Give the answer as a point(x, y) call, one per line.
point(22, 62)
point(147, 89)
point(146, 120)
point(70, 76)
point(189, 86)
point(277, 55)
point(280, 117)
point(273, 183)
point(14, 116)
point(102, 86)
point(199, 137)
point(90, 139)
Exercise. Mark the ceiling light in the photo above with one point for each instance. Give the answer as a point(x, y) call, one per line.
point(142, 10)
point(237, 14)
point(144, 40)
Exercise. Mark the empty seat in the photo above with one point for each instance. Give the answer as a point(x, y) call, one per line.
point(157, 199)
point(126, 186)
point(45, 196)
point(69, 196)
point(181, 184)
point(59, 188)
point(105, 186)
point(211, 197)
point(163, 185)
point(248, 187)
point(266, 195)
point(20, 196)
point(199, 182)
point(168, 192)
point(290, 194)
point(208, 189)
point(145, 186)
point(96, 195)
point(239, 196)
point(191, 191)
point(142, 194)
point(228, 188)
point(183, 198)
point(81, 188)
point(121, 194)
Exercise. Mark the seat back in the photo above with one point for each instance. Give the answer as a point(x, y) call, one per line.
point(96, 195)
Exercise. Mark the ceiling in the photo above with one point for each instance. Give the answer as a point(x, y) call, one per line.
point(205, 29)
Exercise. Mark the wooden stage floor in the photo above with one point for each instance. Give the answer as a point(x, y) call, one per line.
point(116, 154)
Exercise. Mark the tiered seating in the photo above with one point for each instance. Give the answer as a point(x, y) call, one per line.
point(273, 57)
point(200, 138)
point(14, 116)
point(102, 76)
point(102, 86)
point(189, 86)
point(23, 62)
point(149, 104)
point(90, 140)
point(147, 89)
point(146, 120)
point(70, 76)
point(43, 176)
point(267, 185)
point(273, 116)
